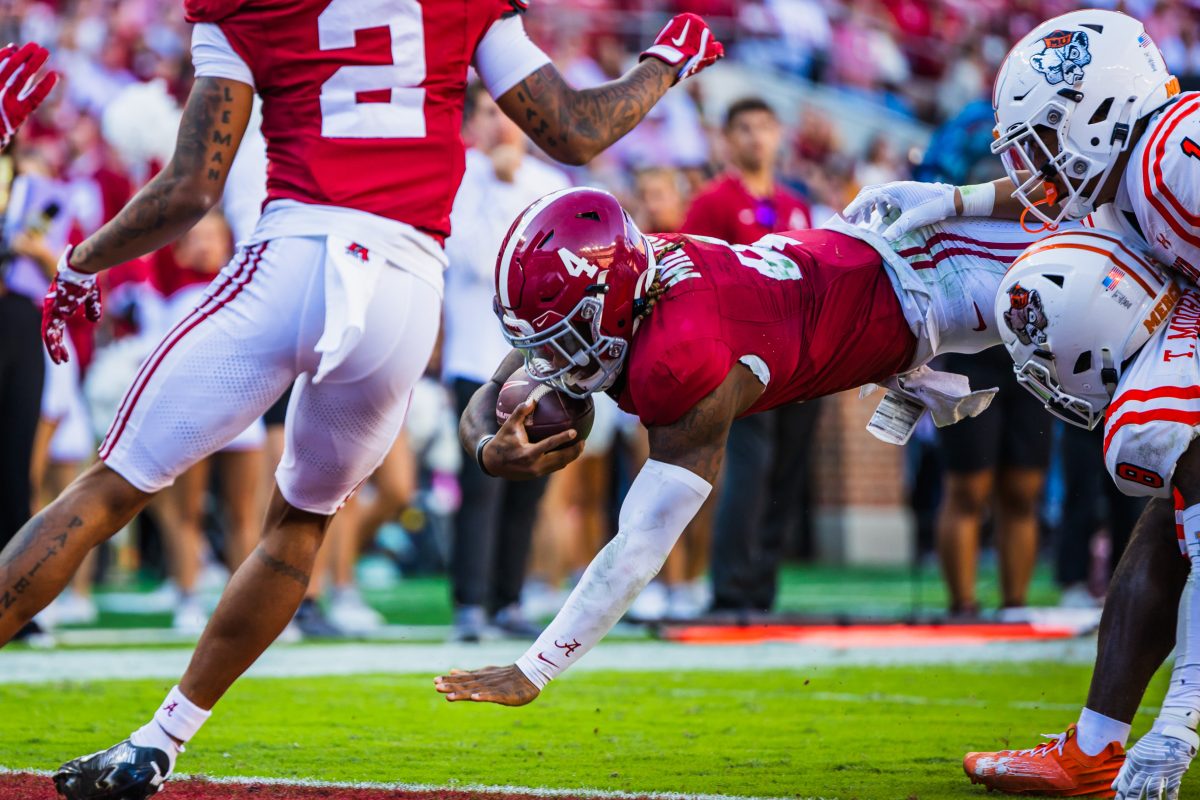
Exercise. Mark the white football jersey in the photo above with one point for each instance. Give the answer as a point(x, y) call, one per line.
point(1161, 185)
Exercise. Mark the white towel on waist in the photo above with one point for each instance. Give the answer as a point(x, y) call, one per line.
point(351, 274)
point(947, 395)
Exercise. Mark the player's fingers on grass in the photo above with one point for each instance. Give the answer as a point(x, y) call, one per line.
point(500, 698)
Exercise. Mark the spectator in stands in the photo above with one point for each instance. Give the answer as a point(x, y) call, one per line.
point(766, 454)
point(32, 203)
point(994, 461)
point(494, 526)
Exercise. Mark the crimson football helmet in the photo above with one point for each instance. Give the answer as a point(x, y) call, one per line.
point(570, 279)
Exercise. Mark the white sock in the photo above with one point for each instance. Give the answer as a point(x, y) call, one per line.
point(1095, 732)
point(176, 721)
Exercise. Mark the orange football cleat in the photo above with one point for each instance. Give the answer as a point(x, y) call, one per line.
point(1057, 768)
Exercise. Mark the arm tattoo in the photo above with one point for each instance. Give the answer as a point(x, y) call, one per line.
point(283, 568)
point(697, 440)
point(576, 125)
point(209, 134)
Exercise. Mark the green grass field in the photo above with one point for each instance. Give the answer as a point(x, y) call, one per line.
point(862, 732)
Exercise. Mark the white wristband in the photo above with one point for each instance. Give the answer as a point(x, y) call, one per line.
point(978, 200)
point(73, 275)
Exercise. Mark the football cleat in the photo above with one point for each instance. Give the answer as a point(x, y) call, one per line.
point(1057, 768)
point(122, 772)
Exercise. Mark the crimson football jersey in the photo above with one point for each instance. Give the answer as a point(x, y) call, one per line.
point(815, 308)
point(362, 99)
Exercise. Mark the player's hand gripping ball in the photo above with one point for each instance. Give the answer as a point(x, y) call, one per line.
point(553, 413)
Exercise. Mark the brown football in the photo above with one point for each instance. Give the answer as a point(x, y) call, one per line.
point(555, 412)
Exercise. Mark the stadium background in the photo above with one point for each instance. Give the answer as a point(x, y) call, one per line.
point(868, 91)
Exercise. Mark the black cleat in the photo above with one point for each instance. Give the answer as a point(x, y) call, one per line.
point(122, 772)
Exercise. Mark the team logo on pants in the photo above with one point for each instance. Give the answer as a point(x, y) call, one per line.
point(1064, 57)
point(1025, 316)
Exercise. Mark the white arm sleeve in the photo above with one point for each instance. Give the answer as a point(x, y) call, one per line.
point(214, 57)
point(661, 502)
point(506, 56)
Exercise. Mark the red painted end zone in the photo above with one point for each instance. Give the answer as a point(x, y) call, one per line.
point(866, 635)
point(17, 786)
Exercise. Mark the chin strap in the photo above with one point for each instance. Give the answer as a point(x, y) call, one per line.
point(1050, 199)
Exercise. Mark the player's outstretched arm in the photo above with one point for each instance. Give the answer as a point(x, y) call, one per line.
point(575, 125)
point(188, 186)
point(504, 451)
point(685, 458)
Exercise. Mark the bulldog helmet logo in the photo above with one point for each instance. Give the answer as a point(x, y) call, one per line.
point(1025, 316)
point(1063, 57)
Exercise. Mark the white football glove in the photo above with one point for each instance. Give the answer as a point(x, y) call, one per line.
point(902, 206)
point(1155, 765)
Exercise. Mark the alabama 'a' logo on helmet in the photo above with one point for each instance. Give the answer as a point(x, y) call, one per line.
point(1025, 316)
point(1062, 59)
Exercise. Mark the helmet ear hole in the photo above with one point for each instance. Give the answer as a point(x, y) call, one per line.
point(1101, 112)
point(1083, 363)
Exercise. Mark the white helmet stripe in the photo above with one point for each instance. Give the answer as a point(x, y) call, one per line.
point(518, 233)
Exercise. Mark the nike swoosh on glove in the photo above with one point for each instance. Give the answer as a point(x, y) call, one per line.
point(685, 42)
point(20, 94)
point(69, 292)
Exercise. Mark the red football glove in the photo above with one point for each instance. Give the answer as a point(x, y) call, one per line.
point(69, 292)
point(20, 94)
point(687, 43)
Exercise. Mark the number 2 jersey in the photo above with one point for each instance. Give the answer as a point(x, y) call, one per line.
point(363, 99)
point(812, 312)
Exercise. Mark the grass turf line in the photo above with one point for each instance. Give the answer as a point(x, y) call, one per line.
point(778, 733)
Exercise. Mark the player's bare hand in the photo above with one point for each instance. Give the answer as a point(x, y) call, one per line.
point(506, 686)
point(511, 455)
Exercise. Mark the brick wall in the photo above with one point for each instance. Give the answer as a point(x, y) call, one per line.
point(861, 513)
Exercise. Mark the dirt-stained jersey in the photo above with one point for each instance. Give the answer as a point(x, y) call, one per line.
point(809, 312)
point(362, 99)
point(1161, 185)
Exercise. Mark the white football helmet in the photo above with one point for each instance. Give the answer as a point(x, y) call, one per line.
point(1072, 310)
point(1086, 77)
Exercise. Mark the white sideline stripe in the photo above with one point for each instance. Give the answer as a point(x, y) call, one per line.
point(430, 787)
point(283, 661)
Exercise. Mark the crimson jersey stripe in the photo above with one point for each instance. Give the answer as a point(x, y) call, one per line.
point(1152, 415)
point(944, 236)
point(951, 252)
point(196, 319)
point(1159, 189)
point(141, 374)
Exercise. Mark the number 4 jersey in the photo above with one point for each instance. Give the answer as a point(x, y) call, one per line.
point(363, 99)
point(813, 312)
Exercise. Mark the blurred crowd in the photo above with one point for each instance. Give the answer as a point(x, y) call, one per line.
point(737, 172)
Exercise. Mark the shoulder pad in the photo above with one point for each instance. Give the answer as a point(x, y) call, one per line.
point(210, 10)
